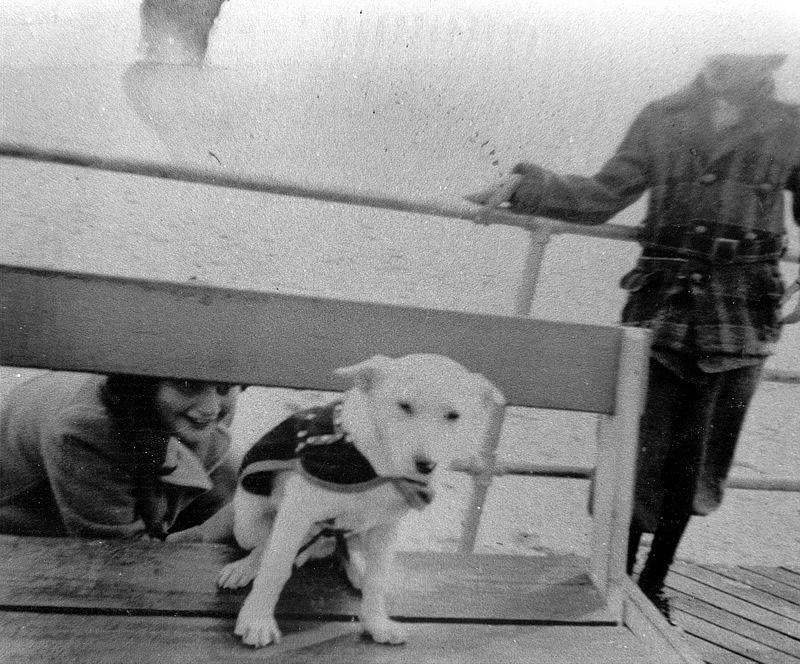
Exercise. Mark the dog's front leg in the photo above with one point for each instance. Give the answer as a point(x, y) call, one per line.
point(378, 555)
point(256, 622)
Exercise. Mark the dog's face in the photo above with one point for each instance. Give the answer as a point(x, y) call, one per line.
point(402, 412)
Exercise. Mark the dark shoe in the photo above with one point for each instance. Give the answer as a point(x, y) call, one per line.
point(707, 497)
point(662, 603)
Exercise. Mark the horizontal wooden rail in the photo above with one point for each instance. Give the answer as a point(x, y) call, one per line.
point(452, 209)
point(105, 324)
point(473, 466)
point(781, 376)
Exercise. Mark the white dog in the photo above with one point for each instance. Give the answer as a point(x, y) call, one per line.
point(354, 467)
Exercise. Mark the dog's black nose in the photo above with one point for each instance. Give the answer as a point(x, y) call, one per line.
point(425, 466)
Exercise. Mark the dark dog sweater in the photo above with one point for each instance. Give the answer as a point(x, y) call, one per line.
point(314, 443)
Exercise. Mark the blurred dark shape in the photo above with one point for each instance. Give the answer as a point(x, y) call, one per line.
point(177, 31)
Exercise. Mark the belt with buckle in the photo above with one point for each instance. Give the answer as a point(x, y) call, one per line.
point(722, 244)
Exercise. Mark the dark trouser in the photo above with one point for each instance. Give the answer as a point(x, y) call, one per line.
point(688, 436)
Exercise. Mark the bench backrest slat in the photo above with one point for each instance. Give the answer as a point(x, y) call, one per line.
point(103, 324)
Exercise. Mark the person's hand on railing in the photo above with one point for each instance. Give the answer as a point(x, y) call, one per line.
point(791, 291)
point(494, 197)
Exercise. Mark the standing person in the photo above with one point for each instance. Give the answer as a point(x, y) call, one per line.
point(716, 158)
point(114, 456)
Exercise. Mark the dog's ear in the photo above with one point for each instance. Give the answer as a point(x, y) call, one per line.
point(365, 375)
point(491, 395)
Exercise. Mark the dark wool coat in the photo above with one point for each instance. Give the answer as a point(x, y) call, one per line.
point(707, 282)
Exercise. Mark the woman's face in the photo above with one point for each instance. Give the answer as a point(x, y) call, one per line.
point(192, 410)
point(736, 78)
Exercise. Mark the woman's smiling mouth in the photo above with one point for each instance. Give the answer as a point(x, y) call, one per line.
point(198, 424)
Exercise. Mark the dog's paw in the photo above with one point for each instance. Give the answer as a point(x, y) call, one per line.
point(256, 625)
point(384, 630)
point(238, 574)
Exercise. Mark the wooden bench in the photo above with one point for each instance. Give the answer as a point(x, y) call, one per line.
point(59, 596)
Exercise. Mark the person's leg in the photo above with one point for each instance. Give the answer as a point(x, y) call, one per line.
point(679, 425)
point(712, 423)
point(662, 552)
point(734, 392)
point(665, 544)
point(666, 397)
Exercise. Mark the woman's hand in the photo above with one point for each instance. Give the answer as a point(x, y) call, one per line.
point(494, 197)
point(218, 528)
point(497, 194)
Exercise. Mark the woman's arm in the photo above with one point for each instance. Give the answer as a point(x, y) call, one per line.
point(587, 200)
point(91, 480)
point(584, 200)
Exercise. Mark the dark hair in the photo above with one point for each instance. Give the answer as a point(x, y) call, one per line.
point(130, 401)
point(131, 404)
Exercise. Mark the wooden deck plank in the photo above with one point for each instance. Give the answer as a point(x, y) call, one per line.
point(712, 653)
point(28, 638)
point(686, 604)
point(650, 627)
point(759, 582)
point(733, 604)
point(786, 576)
point(740, 590)
point(736, 643)
point(139, 577)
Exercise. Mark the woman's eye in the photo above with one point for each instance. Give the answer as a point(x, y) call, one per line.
point(452, 416)
point(406, 407)
point(190, 386)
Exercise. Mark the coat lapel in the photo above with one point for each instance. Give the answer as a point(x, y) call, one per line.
point(692, 126)
point(689, 125)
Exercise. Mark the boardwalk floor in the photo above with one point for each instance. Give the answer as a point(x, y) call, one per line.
point(738, 615)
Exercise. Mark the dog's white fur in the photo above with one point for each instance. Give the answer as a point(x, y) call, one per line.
point(399, 414)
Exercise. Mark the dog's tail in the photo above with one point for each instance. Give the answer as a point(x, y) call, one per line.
point(177, 31)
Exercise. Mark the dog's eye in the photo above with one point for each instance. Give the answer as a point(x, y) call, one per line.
point(406, 407)
point(452, 416)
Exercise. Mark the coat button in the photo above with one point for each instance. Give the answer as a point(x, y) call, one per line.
point(765, 188)
point(750, 235)
point(700, 229)
point(708, 178)
point(697, 278)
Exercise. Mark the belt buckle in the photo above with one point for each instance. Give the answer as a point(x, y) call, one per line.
point(724, 250)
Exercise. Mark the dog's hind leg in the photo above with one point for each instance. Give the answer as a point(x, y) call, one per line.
point(253, 520)
point(356, 566)
point(256, 621)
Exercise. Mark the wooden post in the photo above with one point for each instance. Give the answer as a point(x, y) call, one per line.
point(484, 466)
point(538, 236)
point(617, 446)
